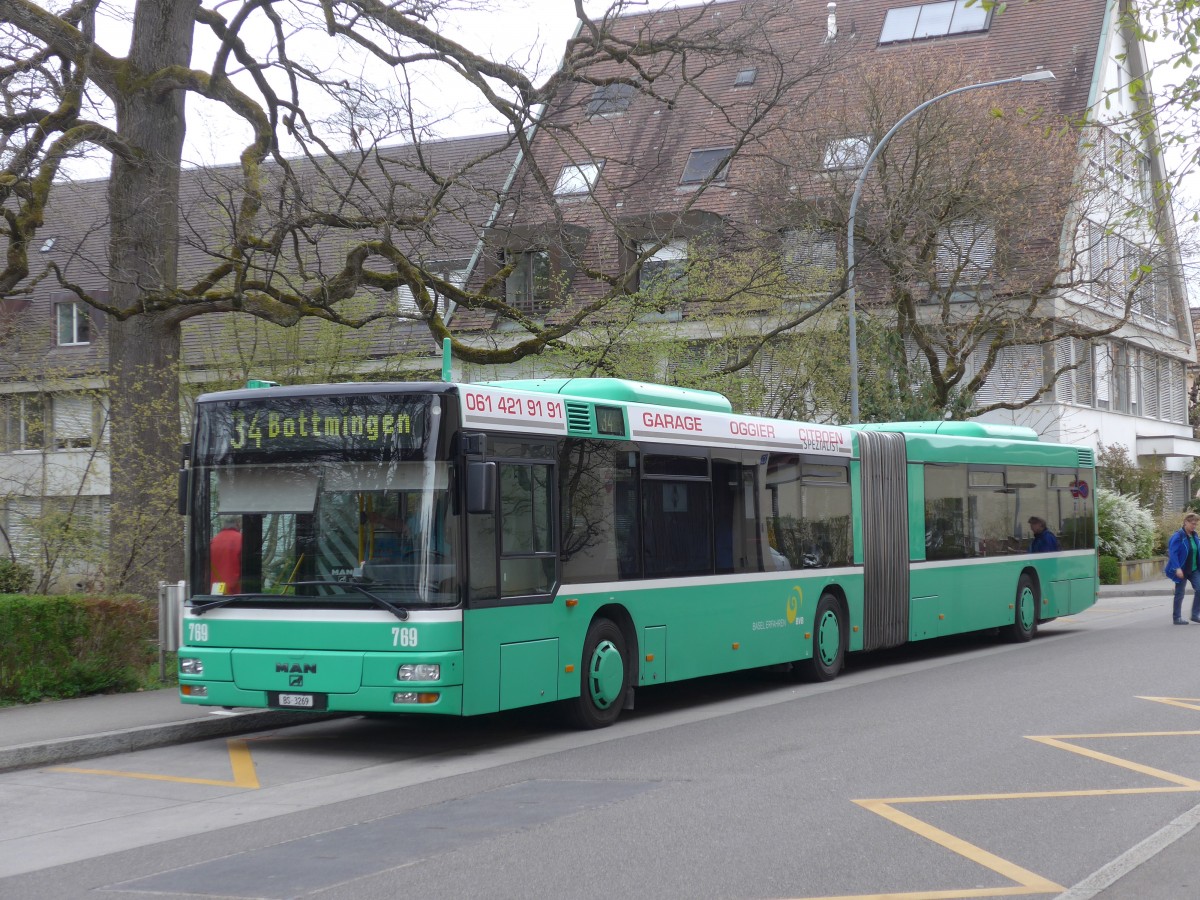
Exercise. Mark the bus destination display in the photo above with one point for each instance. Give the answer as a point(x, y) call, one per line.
point(367, 426)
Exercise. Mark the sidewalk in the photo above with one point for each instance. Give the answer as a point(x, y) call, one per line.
point(62, 731)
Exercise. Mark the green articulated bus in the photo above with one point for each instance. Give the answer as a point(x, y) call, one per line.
point(464, 549)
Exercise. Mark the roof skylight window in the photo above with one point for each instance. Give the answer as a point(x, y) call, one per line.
point(745, 77)
point(608, 99)
point(704, 164)
point(577, 179)
point(929, 20)
point(846, 153)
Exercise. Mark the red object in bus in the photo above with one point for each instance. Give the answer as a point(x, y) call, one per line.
point(226, 555)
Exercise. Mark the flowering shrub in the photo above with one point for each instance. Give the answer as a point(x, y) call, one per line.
point(1126, 529)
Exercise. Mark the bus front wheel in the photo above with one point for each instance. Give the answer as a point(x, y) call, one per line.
point(603, 677)
point(1024, 625)
point(829, 642)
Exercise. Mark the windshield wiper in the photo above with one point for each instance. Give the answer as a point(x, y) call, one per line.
point(231, 598)
point(398, 611)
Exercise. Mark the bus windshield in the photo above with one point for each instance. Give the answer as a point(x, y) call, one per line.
point(297, 530)
point(329, 499)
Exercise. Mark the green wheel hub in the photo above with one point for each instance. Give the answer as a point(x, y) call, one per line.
point(1027, 608)
point(829, 637)
point(606, 672)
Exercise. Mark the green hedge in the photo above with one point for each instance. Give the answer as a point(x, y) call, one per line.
point(1110, 570)
point(70, 646)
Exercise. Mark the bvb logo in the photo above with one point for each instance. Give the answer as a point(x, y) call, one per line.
point(793, 605)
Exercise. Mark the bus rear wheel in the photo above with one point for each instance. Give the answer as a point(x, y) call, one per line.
point(829, 642)
point(603, 677)
point(1024, 625)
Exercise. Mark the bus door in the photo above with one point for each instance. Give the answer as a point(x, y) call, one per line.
point(512, 549)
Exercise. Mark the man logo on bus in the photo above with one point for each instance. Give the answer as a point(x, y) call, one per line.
point(793, 604)
point(1079, 489)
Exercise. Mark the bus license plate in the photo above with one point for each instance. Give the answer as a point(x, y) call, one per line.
point(317, 702)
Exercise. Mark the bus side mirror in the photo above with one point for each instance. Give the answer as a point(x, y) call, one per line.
point(481, 487)
point(182, 497)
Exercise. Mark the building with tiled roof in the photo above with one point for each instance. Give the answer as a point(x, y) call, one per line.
point(756, 155)
point(724, 174)
point(53, 408)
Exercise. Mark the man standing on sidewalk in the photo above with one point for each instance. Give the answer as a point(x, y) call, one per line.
point(1183, 567)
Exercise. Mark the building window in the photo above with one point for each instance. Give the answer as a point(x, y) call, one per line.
point(745, 77)
point(665, 269)
point(1074, 385)
point(966, 253)
point(453, 272)
point(809, 257)
point(846, 153)
point(528, 287)
point(577, 179)
point(705, 164)
point(610, 99)
point(74, 421)
point(929, 20)
point(72, 324)
point(22, 422)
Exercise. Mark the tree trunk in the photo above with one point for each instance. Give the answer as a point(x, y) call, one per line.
point(143, 195)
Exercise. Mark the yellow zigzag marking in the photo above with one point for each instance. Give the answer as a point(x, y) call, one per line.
point(1026, 882)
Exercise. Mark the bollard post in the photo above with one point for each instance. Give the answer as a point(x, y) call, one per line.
point(170, 609)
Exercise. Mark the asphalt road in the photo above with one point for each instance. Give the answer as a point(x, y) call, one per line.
point(964, 768)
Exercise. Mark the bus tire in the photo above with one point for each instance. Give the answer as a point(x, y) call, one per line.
point(603, 677)
point(1024, 625)
point(829, 642)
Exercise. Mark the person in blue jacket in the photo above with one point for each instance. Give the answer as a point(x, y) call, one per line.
point(1044, 540)
point(1183, 566)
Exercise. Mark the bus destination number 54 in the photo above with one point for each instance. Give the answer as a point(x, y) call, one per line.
point(520, 407)
point(404, 637)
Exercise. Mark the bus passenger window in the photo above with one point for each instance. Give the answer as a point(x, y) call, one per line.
point(527, 558)
point(600, 529)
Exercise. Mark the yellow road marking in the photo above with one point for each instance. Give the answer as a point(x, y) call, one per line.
point(1041, 795)
point(1183, 702)
point(240, 761)
point(1181, 780)
point(940, 895)
point(1027, 882)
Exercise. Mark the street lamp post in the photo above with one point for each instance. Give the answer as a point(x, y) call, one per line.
point(1039, 75)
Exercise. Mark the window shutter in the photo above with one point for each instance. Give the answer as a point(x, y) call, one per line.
point(1178, 393)
point(1103, 376)
point(808, 253)
point(405, 301)
point(1084, 373)
point(1150, 388)
point(72, 421)
point(1064, 386)
point(22, 514)
point(966, 253)
point(1016, 375)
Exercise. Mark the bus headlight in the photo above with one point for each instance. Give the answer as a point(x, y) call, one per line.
point(189, 665)
point(418, 672)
